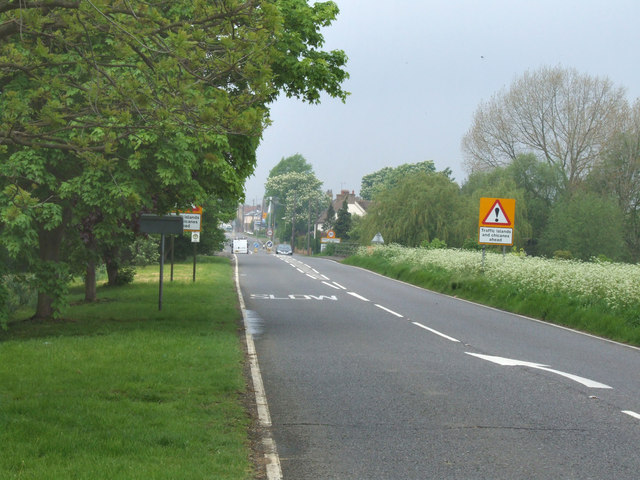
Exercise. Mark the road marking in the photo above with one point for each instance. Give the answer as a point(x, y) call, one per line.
point(340, 286)
point(390, 311)
point(314, 270)
point(272, 460)
point(436, 332)
point(509, 362)
point(300, 270)
point(325, 277)
point(359, 297)
point(633, 414)
point(310, 276)
point(330, 285)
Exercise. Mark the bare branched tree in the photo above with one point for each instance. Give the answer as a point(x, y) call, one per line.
point(563, 117)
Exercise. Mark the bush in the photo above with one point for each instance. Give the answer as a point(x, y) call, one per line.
point(562, 255)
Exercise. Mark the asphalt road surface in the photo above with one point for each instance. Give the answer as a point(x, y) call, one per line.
point(370, 378)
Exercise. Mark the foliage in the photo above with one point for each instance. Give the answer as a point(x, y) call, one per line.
point(300, 196)
point(301, 68)
point(388, 177)
point(587, 225)
point(419, 208)
point(342, 224)
point(295, 163)
point(108, 111)
point(618, 174)
point(331, 218)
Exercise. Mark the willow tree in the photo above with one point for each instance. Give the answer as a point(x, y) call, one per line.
point(420, 208)
point(110, 108)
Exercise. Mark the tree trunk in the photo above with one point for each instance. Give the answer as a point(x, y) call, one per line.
point(90, 293)
point(50, 242)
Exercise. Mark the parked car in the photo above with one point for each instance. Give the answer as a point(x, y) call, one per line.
point(284, 249)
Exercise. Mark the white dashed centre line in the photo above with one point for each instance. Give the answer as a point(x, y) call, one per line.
point(330, 285)
point(633, 414)
point(359, 297)
point(390, 311)
point(436, 332)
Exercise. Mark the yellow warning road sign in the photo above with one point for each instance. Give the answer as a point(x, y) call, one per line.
point(495, 223)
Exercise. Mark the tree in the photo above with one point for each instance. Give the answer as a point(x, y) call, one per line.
point(587, 225)
point(294, 163)
point(331, 218)
point(419, 208)
point(343, 222)
point(618, 174)
point(388, 177)
point(297, 193)
point(565, 118)
point(110, 109)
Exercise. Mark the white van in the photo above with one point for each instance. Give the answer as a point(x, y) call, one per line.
point(240, 246)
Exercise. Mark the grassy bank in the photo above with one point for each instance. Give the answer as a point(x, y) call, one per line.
point(119, 390)
point(602, 299)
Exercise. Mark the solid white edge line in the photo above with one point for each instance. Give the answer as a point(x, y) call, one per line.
point(451, 297)
point(390, 311)
point(632, 414)
point(274, 471)
point(354, 294)
point(436, 332)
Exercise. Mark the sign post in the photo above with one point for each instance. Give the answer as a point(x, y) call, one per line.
point(164, 225)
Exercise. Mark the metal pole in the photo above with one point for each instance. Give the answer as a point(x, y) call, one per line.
point(484, 252)
point(309, 231)
point(172, 244)
point(195, 250)
point(161, 270)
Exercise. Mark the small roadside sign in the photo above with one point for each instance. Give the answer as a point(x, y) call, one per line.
point(195, 237)
point(192, 219)
point(495, 224)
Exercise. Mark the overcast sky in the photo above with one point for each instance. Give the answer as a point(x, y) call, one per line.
point(420, 68)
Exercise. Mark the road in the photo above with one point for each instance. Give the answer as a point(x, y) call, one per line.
point(370, 378)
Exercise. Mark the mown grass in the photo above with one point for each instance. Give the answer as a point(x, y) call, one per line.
point(594, 317)
point(118, 389)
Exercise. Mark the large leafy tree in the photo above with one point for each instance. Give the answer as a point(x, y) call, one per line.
point(109, 108)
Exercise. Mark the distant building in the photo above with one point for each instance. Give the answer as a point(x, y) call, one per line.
point(355, 206)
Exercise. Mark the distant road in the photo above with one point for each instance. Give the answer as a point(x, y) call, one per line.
point(369, 378)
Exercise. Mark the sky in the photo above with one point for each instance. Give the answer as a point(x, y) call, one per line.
point(419, 69)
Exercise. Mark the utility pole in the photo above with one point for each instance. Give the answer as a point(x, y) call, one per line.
point(309, 230)
point(293, 221)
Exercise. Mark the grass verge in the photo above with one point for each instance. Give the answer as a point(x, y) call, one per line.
point(595, 318)
point(118, 389)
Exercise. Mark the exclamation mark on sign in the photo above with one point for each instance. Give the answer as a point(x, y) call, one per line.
point(497, 214)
